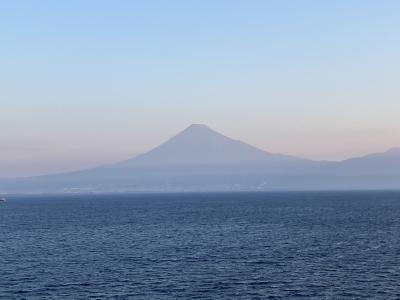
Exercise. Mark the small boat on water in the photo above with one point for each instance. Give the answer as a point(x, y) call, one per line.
point(3, 199)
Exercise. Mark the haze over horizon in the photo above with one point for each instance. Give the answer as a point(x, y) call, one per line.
point(94, 82)
point(202, 159)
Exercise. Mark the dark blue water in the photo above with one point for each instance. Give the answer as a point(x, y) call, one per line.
point(202, 246)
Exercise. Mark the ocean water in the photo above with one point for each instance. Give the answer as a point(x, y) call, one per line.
point(308, 245)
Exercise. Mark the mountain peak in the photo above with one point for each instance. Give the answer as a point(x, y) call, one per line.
point(198, 126)
point(194, 128)
point(199, 145)
point(199, 133)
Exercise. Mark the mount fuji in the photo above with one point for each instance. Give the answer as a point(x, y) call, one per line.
point(201, 159)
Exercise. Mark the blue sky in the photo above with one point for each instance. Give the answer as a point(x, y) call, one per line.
point(88, 82)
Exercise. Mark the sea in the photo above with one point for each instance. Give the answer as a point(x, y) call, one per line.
point(276, 245)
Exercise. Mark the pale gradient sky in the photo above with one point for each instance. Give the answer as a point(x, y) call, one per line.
point(90, 82)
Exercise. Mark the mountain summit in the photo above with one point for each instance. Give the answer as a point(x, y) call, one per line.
point(200, 145)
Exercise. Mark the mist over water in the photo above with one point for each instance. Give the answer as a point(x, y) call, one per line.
point(333, 245)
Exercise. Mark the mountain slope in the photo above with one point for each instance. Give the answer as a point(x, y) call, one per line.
point(198, 145)
point(373, 164)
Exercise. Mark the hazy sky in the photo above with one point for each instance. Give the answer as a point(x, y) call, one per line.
point(87, 82)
